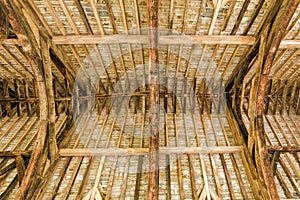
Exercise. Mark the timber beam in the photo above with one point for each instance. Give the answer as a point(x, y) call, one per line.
point(273, 39)
point(263, 52)
point(145, 151)
point(284, 149)
point(165, 39)
point(153, 178)
point(15, 153)
point(30, 41)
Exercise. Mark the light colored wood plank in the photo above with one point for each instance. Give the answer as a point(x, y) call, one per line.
point(142, 151)
point(143, 39)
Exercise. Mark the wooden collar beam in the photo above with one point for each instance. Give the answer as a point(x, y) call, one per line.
point(144, 151)
point(165, 39)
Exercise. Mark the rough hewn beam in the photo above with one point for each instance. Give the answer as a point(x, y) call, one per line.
point(274, 37)
point(284, 149)
point(29, 44)
point(53, 151)
point(152, 193)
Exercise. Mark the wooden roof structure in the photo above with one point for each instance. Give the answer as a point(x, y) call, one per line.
point(149, 99)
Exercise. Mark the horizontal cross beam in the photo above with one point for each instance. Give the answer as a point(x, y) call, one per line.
point(284, 149)
point(15, 153)
point(165, 39)
point(143, 151)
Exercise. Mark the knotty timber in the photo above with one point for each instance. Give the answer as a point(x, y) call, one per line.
point(153, 190)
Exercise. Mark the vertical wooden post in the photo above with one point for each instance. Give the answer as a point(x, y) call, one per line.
point(53, 151)
point(152, 193)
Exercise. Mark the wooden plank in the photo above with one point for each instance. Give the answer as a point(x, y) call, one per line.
point(16, 132)
point(10, 66)
point(290, 176)
point(140, 162)
point(232, 157)
point(97, 16)
point(163, 39)
point(256, 185)
point(114, 166)
point(68, 160)
point(190, 160)
point(55, 17)
point(143, 151)
point(210, 32)
point(168, 167)
point(222, 158)
point(13, 57)
point(9, 128)
point(126, 170)
point(101, 165)
point(283, 185)
point(75, 170)
point(179, 166)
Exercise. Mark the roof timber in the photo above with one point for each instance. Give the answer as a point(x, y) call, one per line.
point(233, 27)
point(153, 180)
point(162, 150)
point(29, 43)
point(165, 39)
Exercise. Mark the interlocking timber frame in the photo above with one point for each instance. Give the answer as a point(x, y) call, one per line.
point(39, 45)
point(265, 49)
